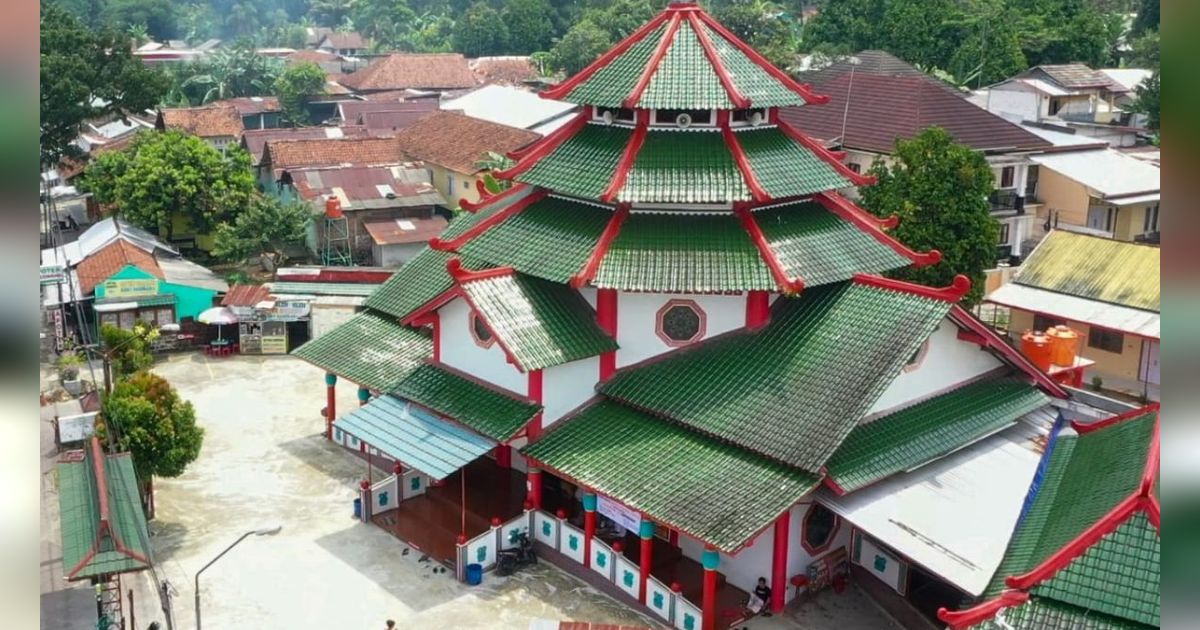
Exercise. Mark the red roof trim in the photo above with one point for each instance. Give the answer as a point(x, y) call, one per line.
point(606, 238)
point(1087, 427)
point(503, 391)
point(476, 206)
point(846, 209)
point(418, 316)
point(1154, 512)
point(762, 62)
point(964, 318)
point(561, 90)
point(959, 619)
point(739, 157)
point(101, 480)
point(521, 152)
point(834, 486)
point(953, 293)
point(652, 63)
point(752, 228)
point(858, 179)
point(1150, 474)
point(629, 157)
point(486, 224)
point(461, 274)
point(545, 146)
point(739, 100)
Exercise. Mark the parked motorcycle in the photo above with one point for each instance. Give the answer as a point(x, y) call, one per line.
point(509, 560)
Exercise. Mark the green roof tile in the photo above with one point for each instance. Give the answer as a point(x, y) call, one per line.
point(488, 411)
point(550, 239)
point(713, 491)
point(820, 247)
point(685, 79)
point(79, 515)
point(1041, 614)
point(371, 349)
point(752, 81)
point(784, 167)
point(916, 435)
point(676, 253)
point(420, 280)
point(684, 166)
point(795, 389)
point(583, 165)
point(541, 323)
point(613, 83)
point(466, 220)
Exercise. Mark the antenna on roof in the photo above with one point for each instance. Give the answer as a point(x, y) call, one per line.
point(853, 61)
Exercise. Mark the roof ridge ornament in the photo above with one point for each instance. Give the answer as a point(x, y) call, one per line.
point(952, 293)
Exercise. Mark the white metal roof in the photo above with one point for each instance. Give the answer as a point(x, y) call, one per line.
point(1110, 173)
point(509, 106)
point(1129, 78)
point(1063, 138)
point(1039, 85)
point(188, 273)
point(955, 516)
point(1077, 309)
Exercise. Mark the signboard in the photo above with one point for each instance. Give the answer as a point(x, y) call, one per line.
point(274, 338)
point(52, 274)
point(130, 288)
point(59, 329)
point(290, 309)
point(619, 514)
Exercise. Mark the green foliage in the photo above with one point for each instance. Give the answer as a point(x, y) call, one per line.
point(480, 32)
point(1147, 19)
point(128, 351)
point(266, 225)
point(158, 16)
point(228, 73)
point(528, 24)
point(579, 47)
point(1147, 100)
point(622, 17)
point(68, 365)
point(296, 86)
point(161, 173)
point(764, 26)
point(154, 424)
point(388, 23)
point(87, 74)
point(330, 12)
point(1145, 53)
point(939, 190)
point(989, 50)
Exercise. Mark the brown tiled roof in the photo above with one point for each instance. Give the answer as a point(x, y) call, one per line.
point(352, 110)
point(368, 187)
point(255, 140)
point(405, 230)
point(315, 56)
point(339, 40)
point(1076, 75)
point(110, 259)
point(393, 121)
point(247, 105)
point(205, 122)
point(291, 154)
point(454, 141)
point(419, 71)
point(387, 96)
point(246, 295)
point(890, 99)
point(504, 70)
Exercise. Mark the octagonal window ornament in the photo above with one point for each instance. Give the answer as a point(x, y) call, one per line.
point(479, 331)
point(819, 528)
point(680, 322)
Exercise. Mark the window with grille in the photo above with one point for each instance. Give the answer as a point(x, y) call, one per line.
point(1106, 340)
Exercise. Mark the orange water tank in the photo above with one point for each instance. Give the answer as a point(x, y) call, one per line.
point(1064, 345)
point(1036, 345)
point(333, 208)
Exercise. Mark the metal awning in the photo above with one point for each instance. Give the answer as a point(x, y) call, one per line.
point(414, 437)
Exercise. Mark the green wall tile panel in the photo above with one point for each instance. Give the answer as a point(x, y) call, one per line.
point(820, 247)
point(715, 491)
point(487, 411)
point(928, 430)
point(684, 166)
point(784, 167)
point(1040, 614)
point(542, 323)
point(584, 164)
point(371, 349)
point(685, 79)
point(677, 253)
point(795, 389)
point(613, 83)
point(752, 81)
point(464, 221)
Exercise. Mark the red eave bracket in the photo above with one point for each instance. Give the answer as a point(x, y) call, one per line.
point(868, 223)
point(739, 100)
point(960, 619)
point(487, 224)
point(754, 230)
point(563, 89)
point(952, 294)
point(762, 62)
point(628, 157)
point(461, 274)
point(833, 485)
point(545, 146)
point(609, 234)
point(660, 51)
point(759, 193)
point(858, 179)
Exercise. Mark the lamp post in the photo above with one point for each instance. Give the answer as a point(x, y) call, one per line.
point(266, 531)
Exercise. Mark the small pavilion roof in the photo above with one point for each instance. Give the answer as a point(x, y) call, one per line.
point(416, 283)
point(103, 526)
point(372, 349)
point(487, 410)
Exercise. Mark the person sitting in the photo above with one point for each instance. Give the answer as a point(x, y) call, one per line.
point(760, 599)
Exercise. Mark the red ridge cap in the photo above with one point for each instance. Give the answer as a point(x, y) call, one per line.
point(545, 146)
point(517, 154)
point(959, 619)
point(489, 222)
point(764, 249)
point(846, 209)
point(953, 293)
point(609, 234)
point(739, 157)
point(628, 157)
point(833, 485)
point(762, 62)
point(1154, 512)
point(660, 51)
point(739, 100)
point(101, 481)
point(461, 274)
point(563, 89)
point(963, 317)
point(1150, 473)
point(1087, 427)
point(475, 206)
point(858, 179)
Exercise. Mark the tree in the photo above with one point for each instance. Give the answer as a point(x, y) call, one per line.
point(162, 173)
point(480, 32)
point(128, 351)
point(330, 12)
point(916, 31)
point(939, 190)
point(388, 23)
point(1147, 18)
point(265, 226)
point(851, 25)
point(229, 73)
point(579, 47)
point(296, 86)
point(157, 15)
point(86, 75)
point(762, 25)
point(1147, 100)
point(528, 24)
point(622, 17)
point(989, 50)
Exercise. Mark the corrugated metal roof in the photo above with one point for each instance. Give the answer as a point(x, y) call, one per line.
point(1077, 309)
point(322, 288)
point(510, 106)
point(1106, 270)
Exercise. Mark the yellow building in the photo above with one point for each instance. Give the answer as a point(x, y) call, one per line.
point(1101, 192)
point(1104, 289)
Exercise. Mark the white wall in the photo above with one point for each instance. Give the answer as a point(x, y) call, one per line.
point(948, 361)
point(460, 351)
point(327, 317)
point(1014, 101)
point(566, 386)
point(636, 314)
point(395, 255)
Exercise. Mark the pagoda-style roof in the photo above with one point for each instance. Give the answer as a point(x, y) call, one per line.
point(487, 410)
point(1086, 553)
point(371, 349)
point(682, 59)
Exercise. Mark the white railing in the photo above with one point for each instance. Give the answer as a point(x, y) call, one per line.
point(385, 495)
point(484, 548)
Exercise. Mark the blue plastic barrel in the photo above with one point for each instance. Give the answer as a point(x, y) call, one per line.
point(474, 574)
point(358, 508)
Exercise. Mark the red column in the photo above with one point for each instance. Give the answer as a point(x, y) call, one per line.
point(645, 556)
point(779, 583)
point(504, 456)
point(710, 559)
point(589, 526)
point(606, 318)
point(533, 487)
point(757, 309)
point(330, 404)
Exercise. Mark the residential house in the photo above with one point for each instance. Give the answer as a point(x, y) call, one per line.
point(433, 72)
point(61, 261)
point(219, 125)
point(314, 34)
point(327, 61)
point(451, 145)
point(1105, 290)
point(96, 134)
point(1099, 191)
point(1130, 79)
point(506, 70)
point(384, 116)
point(279, 157)
point(1072, 94)
point(345, 44)
point(255, 140)
point(257, 112)
point(513, 107)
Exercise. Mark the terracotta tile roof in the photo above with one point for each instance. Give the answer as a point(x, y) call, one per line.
point(387, 96)
point(315, 56)
point(405, 230)
point(316, 34)
point(255, 140)
point(457, 142)
point(339, 41)
point(110, 259)
point(504, 70)
point(205, 122)
point(246, 295)
point(419, 71)
point(249, 105)
point(890, 99)
point(352, 110)
point(290, 154)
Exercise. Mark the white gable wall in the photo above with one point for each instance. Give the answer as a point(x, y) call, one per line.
point(636, 313)
point(948, 361)
point(566, 386)
point(460, 351)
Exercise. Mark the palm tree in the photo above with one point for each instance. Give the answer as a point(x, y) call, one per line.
point(138, 33)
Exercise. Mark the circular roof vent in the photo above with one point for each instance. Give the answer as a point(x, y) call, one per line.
point(607, 117)
point(756, 119)
point(683, 121)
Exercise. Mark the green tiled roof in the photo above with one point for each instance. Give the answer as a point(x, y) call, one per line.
point(466, 220)
point(795, 389)
point(784, 167)
point(684, 166)
point(488, 411)
point(820, 247)
point(930, 429)
point(550, 239)
point(583, 165)
point(1040, 614)
point(613, 83)
point(79, 514)
point(673, 253)
point(541, 323)
point(685, 79)
point(752, 81)
point(716, 492)
point(421, 279)
point(371, 349)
